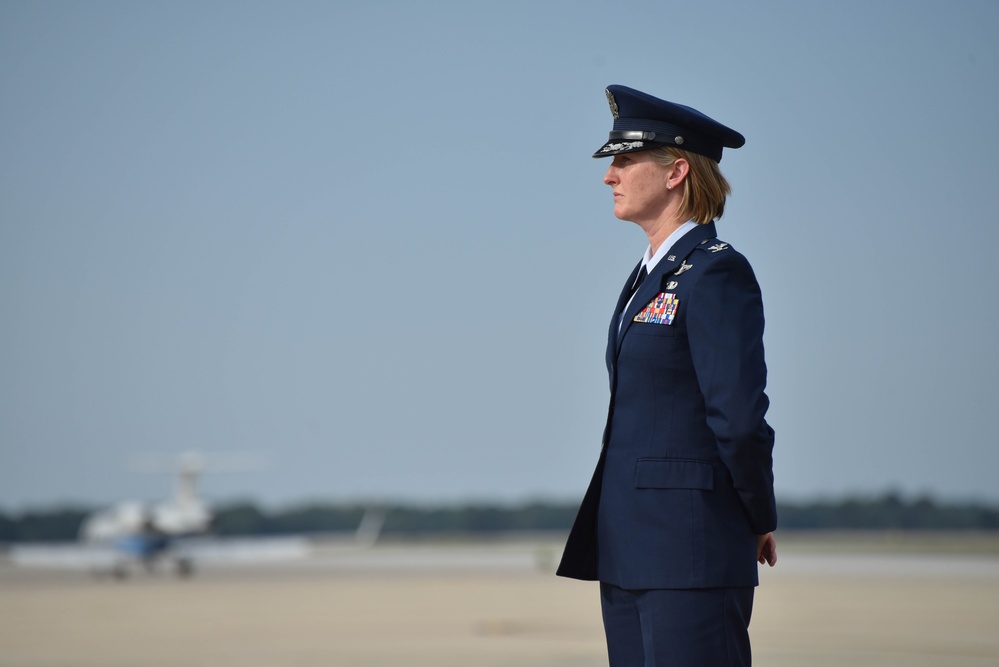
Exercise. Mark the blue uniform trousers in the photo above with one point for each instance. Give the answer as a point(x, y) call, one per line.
point(697, 627)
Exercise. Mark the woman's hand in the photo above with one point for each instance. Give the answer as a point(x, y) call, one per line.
point(766, 549)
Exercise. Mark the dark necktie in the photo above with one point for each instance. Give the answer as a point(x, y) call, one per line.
point(643, 273)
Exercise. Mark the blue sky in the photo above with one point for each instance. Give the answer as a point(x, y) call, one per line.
point(368, 244)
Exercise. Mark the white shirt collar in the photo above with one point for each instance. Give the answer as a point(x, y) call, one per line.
point(650, 260)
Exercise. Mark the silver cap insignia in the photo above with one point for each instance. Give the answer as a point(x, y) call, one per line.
point(613, 105)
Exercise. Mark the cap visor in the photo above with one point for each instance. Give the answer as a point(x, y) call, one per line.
point(617, 147)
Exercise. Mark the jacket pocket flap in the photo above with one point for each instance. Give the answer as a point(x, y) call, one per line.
point(673, 474)
point(649, 329)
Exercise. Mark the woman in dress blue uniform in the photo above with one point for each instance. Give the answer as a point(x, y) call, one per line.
point(681, 507)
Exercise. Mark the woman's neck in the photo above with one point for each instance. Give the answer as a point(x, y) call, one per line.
point(660, 229)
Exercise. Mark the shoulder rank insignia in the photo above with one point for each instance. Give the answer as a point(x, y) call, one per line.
point(718, 247)
point(683, 267)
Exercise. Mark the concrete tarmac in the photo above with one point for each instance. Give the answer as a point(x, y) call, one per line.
point(487, 604)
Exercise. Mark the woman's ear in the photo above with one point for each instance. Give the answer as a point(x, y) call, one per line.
point(677, 173)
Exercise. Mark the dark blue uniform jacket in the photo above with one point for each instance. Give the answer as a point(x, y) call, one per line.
point(684, 482)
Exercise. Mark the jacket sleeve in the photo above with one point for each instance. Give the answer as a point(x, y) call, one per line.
point(725, 328)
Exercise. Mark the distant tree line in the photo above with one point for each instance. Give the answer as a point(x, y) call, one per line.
point(248, 519)
point(889, 511)
point(42, 526)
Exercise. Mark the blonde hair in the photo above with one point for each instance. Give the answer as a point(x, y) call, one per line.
point(705, 188)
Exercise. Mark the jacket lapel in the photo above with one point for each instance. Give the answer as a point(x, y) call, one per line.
point(666, 266)
point(612, 333)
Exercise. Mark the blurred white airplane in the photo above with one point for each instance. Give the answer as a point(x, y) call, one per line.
point(175, 532)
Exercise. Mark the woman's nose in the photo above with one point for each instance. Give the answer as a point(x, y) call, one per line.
point(610, 177)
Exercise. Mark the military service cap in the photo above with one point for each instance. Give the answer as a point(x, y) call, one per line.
point(643, 122)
